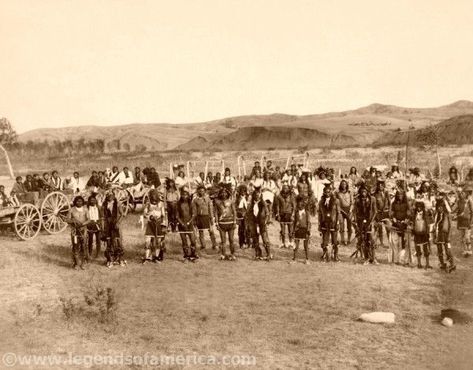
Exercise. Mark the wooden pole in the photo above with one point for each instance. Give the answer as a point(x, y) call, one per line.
point(10, 168)
point(239, 168)
point(438, 161)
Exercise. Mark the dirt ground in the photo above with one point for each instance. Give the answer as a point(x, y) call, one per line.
point(286, 315)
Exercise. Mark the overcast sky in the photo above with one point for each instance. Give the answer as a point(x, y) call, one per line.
point(71, 62)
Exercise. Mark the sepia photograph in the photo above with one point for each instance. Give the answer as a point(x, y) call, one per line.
point(236, 184)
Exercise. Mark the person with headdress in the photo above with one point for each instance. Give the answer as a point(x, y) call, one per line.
point(285, 208)
point(113, 216)
point(365, 213)
point(301, 228)
point(241, 206)
point(172, 197)
point(258, 217)
point(400, 214)
point(185, 219)
point(95, 226)
point(383, 204)
point(152, 178)
point(203, 211)
point(443, 227)
point(329, 219)
point(421, 221)
point(155, 213)
point(464, 211)
point(345, 199)
point(78, 219)
point(226, 221)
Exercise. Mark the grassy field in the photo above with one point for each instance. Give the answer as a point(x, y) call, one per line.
point(285, 315)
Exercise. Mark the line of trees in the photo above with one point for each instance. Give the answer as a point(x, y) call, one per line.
point(54, 148)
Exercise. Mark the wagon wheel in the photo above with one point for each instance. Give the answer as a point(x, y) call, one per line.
point(123, 198)
point(54, 210)
point(145, 198)
point(27, 222)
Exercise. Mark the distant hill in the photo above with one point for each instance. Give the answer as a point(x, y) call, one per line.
point(455, 130)
point(267, 137)
point(365, 125)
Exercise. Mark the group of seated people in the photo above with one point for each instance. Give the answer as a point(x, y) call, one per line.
point(373, 206)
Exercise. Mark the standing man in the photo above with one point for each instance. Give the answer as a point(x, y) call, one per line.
point(202, 208)
point(285, 207)
point(258, 217)
point(185, 219)
point(329, 218)
point(345, 198)
point(226, 222)
point(94, 228)
point(365, 213)
point(383, 205)
point(113, 216)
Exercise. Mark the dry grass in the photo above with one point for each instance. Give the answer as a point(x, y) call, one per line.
point(288, 316)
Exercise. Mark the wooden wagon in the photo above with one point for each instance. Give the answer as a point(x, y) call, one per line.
point(37, 211)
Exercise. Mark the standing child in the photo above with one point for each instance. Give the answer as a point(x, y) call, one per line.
point(301, 227)
point(422, 221)
point(155, 213)
point(443, 224)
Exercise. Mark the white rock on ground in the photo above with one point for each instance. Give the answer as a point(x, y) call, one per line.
point(447, 321)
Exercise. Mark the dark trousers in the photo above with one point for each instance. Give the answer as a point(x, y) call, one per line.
point(255, 240)
point(114, 251)
point(345, 219)
point(441, 248)
point(189, 251)
point(172, 215)
point(224, 231)
point(242, 232)
point(79, 249)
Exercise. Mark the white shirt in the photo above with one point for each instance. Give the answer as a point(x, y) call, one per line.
point(93, 213)
point(125, 179)
point(229, 180)
point(77, 185)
